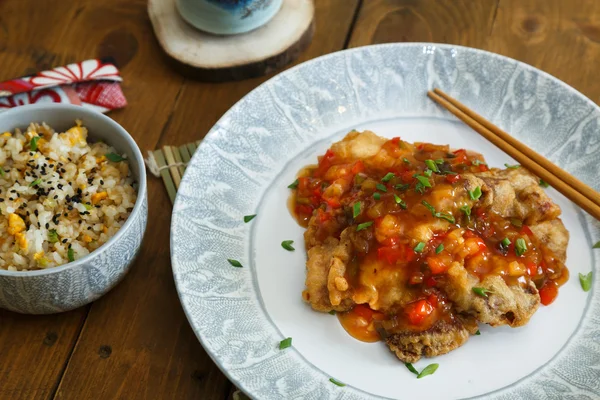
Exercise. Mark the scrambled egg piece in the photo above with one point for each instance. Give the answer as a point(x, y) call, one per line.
point(97, 197)
point(15, 224)
point(21, 241)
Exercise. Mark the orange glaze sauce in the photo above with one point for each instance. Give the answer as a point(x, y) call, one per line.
point(417, 227)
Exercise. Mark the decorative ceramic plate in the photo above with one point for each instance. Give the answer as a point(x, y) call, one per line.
point(251, 155)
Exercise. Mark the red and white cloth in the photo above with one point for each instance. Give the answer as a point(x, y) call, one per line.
point(92, 83)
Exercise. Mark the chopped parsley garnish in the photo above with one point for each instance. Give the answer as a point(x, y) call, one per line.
point(419, 247)
point(248, 218)
point(419, 188)
point(428, 370)
point(33, 143)
point(475, 194)
point(423, 181)
point(235, 263)
point(478, 333)
point(505, 242)
point(586, 281)
point(376, 196)
point(114, 157)
point(432, 165)
point(287, 244)
point(543, 183)
point(427, 172)
point(52, 236)
point(512, 166)
point(364, 225)
point(336, 382)
point(596, 246)
point(439, 249)
point(293, 185)
point(285, 343)
point(439, 161)
point(466, 210)
point(483, 292)
point(356, 209)
point(36, 182)
point(406, 160)
point(388, 177)
point(402, 186)
point(411, 368)
point(399, 201)
point(71, 254)
point(520, 246)
point(332, 312)
point(381, 187)
point(477, 162)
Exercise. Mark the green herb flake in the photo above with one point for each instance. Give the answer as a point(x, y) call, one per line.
point(336, 382)
point(447, 217)
point(88, 206)
point(429, 207)
point(114, 157)
point(439, 249)
point(423, 181)
point(332, 312)
point(285, 343)
point(520, 247)
point(475, 194)
point(439, 161)
point(544, 184)
point(377, 196)
point(52, 236)
point(596, 246)
point(399, 201)
point(466, 210)
point(478, 162)
point(356, 209)
point(293, 185)
point(381, 187)
point(586, 281)
point(419, 188)
point(483, 292)
point(419, 247)
point(71, 254)
point(36, 182)
point(388, 177)
point(402, 186)
point(432, 165)
point(364, 225)
point(477, 333)
point(405, 160)
point(505, 242)
point(428, 370)
point(287, 244)
point(235, 263)
point(427, 172)
point(411, 368)
point(512, 166)
point(2, 172)
point(518, 223)
point(248, 218)
point(33, 143)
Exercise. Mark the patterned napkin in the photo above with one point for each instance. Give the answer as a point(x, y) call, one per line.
point(91, 83)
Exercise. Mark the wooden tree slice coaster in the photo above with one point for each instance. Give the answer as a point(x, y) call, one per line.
point(217, 58)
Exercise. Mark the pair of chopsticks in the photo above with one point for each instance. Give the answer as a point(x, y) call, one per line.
point(575, 190)
point(169, 163)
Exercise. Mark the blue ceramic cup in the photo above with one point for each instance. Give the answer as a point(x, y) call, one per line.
point(227, 17)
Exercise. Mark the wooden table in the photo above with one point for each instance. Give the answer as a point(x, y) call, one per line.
point(135, 342)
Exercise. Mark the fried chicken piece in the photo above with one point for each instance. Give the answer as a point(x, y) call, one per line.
point(513, 193)
point(326, 286)
point(504, 305)
point(441, 338)
point(554, 236)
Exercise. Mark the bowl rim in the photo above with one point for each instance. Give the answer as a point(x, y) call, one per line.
point(141, 192)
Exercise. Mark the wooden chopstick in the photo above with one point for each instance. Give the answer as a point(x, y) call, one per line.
point(541, 160)
point(575, 195)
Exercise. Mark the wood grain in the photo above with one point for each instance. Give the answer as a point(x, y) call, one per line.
point(463, 22)
point(153, 351)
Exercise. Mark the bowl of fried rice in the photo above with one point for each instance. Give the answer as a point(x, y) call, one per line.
point(73, 206)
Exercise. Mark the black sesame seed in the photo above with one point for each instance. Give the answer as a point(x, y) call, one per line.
point(60, 186)
point(51, 165)
point(89, 228)
point(70, 208)
point(1, 200)
point(39, 226)
point(101, 182)
point(55, 197)
point(69, 245)
point(47, 225)
point(80, 221)
point(64, 240)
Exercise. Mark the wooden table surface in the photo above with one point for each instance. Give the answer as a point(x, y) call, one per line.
point(135, 342)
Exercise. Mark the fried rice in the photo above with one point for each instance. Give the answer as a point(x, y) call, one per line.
point(61, 197)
